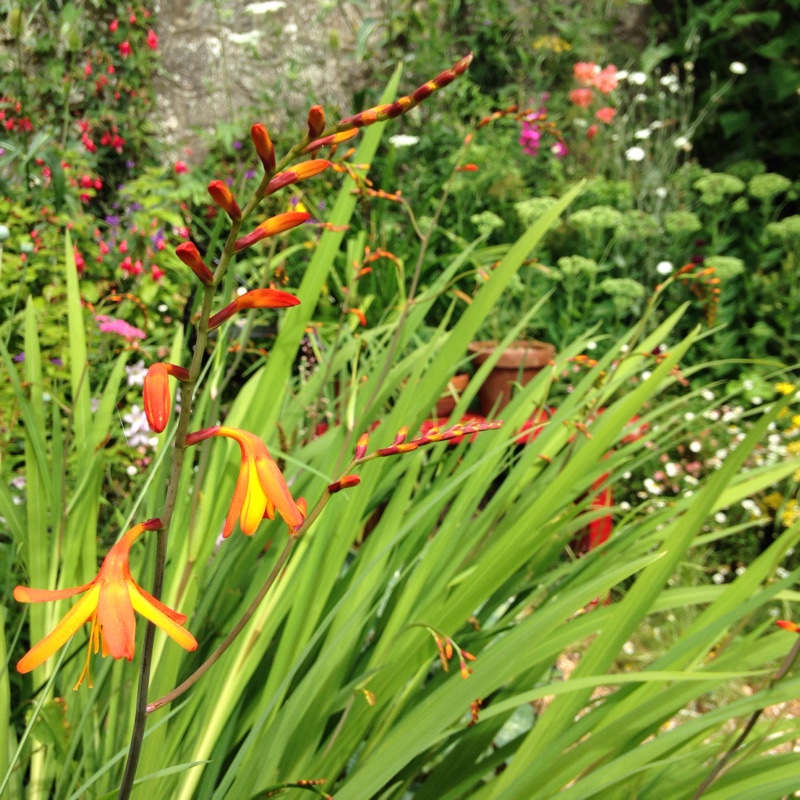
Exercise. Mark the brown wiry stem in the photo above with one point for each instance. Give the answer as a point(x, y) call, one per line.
point(246, 617)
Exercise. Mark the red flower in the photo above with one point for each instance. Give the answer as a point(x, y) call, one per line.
point(156, 394)
point(180, 167)
point(606, 114)
point(113, 25)
point(581, 97)
point(152, 39)
point(125, 49)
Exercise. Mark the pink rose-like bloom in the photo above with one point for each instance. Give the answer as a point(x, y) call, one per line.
point(584, 72)
point(606, 114)
point(152, 39)
point(606, 80)
point(581, 97)
point(119, 326)
point(125, 49)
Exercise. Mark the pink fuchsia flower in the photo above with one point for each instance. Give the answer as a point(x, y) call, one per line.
point(152, 40)
point(119, 326)
point(606, 114)
point(180, 167)
point(260, 489)
point(584, 72)
point(581, 97)
point(606, 80)
point(530, 138)
point(108, 604)
point(113, 25)
point(559, 150)
point(125, 49)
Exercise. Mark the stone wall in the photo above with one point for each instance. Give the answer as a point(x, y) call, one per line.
point(236, 61)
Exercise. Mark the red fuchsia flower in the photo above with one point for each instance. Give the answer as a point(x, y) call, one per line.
point(585, 71)
point(581, 97)
point(113, 25)
point(260, 489)
point(258, 298)
point(606, 81)
point(271, 227)
point(152, 40)
point(125, 49)
point(156, 394)
point(109, 603)
point(316, 122)
point(157, 273)
point(264, 146)
point(222, 196)
point(180, 167)
point(606, 114)
point(307, 169)
point(87, 70)
point(591, 132)
point(190, 255)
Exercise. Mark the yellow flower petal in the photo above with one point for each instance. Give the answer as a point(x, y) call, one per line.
point(172, 629)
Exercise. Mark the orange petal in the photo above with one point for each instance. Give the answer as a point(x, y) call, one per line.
point(175, 616)
point(157, 617)
point(25, 594)
point(115, 614)
point(62, 633)
point(275, 486)
point(237, 501)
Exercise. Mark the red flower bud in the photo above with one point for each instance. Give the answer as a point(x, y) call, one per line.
point(316, 122)
point(222, 196)
point(156, 395)
point(302, 171)
point(264, 147)
point(190, 255)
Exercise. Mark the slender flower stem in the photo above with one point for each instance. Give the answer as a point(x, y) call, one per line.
point(140, 714)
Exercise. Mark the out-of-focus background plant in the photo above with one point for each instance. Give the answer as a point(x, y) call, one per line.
point(621, 184)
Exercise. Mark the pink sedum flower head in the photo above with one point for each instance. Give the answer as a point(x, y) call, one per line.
point(120, 327)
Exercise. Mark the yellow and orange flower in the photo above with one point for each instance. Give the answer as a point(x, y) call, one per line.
point(260, 489)
point(257, 298)
point(109, 603)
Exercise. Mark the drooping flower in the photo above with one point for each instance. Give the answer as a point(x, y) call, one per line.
point(156, 395)
point(109, 603)
point(152, 39)
point(125, 49)
point(260, 489)
point(258, 298)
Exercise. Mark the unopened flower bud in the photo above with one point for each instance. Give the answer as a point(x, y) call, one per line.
point(190, 255)
point(264, 146)
point(316, 122)
point(222, 196)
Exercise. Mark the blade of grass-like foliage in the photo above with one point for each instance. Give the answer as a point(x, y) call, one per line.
point(526, 773)
point(5, 698)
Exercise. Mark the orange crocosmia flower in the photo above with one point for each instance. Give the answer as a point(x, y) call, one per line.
point(277, 224)
point(260, 488)
point(109, 602)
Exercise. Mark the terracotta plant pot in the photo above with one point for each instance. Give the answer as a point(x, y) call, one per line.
point(518, 364)
point(447, 402)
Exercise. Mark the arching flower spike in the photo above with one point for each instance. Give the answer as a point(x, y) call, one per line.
point(109, 603)
point(260, 489)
